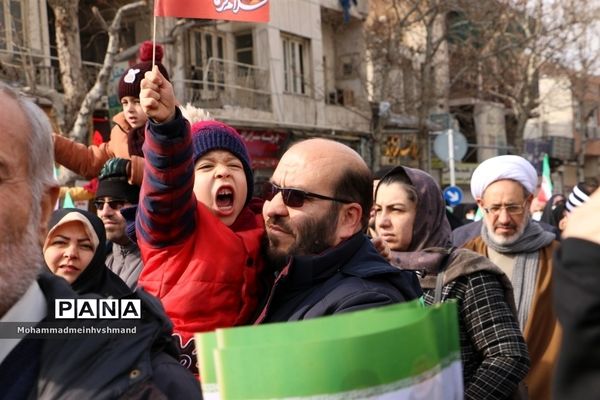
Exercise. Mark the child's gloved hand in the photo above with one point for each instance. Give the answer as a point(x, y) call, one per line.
point(115, 167)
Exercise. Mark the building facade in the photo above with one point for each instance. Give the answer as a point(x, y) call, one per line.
point(295, 77)
point(316, 70)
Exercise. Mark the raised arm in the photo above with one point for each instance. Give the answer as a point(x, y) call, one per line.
point(86, 161)
point(166, 213)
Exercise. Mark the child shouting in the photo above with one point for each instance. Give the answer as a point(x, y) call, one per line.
point(199, 239)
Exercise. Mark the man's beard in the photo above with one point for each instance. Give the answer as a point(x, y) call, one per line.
point(313, 236)
point(508, 240)
point(116, 234)
point(20, 261)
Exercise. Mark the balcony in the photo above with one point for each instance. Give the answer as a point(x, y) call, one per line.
point(223, 83)
point(26, 69)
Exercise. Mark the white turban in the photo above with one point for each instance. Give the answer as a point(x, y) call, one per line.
point(503, 167)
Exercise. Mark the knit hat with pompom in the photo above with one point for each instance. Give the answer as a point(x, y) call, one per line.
point(129, 84)
point(215, 135)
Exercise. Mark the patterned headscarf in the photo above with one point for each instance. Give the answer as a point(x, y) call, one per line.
point(431, 229)
point(578, 196)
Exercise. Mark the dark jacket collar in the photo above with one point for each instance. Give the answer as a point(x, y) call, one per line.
point(355, 256)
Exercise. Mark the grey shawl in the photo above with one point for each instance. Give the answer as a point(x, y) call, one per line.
point(525, 270)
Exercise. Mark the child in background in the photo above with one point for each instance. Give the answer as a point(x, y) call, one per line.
point(126, 137)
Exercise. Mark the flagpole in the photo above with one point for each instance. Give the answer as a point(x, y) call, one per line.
point(154, 41)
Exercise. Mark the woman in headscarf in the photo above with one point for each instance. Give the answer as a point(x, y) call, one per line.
point(75, 250)
point(555, 211)
point(410, 218)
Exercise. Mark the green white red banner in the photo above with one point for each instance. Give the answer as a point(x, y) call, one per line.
point(231, 10)
point(402, 351)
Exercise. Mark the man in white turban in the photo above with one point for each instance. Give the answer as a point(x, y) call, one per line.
point(503, 167)
point(495, 169)
point(503, 187)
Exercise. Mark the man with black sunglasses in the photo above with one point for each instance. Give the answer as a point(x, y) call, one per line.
point(317, 208)
point(114, 193)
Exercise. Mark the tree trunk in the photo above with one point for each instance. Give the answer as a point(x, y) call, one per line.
point(86, 109)
point(68, 47)
point(520, 133)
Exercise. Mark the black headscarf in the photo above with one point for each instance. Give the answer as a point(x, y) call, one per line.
point(96, 278)
point(554, 210)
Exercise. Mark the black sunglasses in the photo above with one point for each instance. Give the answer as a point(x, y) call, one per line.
point(114, 204)
point(295, 197)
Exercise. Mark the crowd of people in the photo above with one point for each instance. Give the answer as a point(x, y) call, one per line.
point(178, 228)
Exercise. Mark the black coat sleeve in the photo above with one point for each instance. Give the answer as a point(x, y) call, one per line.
point(577, 303)
point(173, 379)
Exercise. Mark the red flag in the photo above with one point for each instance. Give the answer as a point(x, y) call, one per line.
point(91, 186)
point(97, 138)
point(232, 10)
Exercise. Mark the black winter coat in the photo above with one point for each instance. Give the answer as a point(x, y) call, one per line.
point(577, 304)
point(351, 276)
point(132, 366)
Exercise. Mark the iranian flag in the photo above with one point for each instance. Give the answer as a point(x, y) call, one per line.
point(546, 190)
point(396, 352)
point(232, 10)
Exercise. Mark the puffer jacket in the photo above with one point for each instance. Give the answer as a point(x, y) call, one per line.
point(206, 274)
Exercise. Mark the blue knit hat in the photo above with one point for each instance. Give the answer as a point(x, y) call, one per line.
point(215, 135)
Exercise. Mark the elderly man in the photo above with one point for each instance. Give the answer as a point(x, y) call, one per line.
point(503, 188)
point(114, 192)
point(317, 210)
point(69, 366)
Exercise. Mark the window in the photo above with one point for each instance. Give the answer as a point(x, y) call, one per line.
point(244, 54)
point(295, 64)
point(12, 29)
point(347, 65)
point(206, 59)
point(244, 48)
